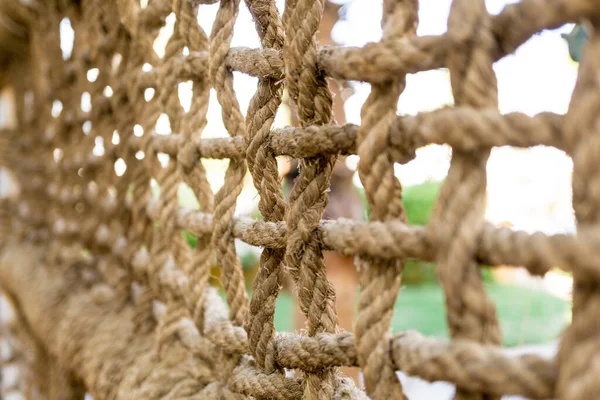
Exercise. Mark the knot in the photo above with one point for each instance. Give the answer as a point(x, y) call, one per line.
point(405, 338)
point(167, 80)
point(193, 66)
point(402, 140)
point(258, 147)
point(188, 155)
point(172, 279)
point(103, 234)
point(213, 390)
point(120, 247)
point(225, 367)
point(347, 390)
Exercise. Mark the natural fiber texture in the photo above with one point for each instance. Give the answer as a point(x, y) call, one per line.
point(110, 300)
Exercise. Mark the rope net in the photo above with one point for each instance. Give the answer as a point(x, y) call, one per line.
point(110, 300)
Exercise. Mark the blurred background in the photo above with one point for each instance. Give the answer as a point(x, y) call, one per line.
point(528, 189)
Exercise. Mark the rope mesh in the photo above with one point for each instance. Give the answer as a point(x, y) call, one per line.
point(110, 299)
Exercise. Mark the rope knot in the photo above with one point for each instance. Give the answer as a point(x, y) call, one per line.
point(188, 155)
point(403, 144)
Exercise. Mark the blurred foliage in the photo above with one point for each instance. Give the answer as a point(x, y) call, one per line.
point(191, 239)
point(419, 201)
point(248, 259)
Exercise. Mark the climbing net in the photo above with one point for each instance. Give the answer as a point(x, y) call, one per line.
point(111, 300)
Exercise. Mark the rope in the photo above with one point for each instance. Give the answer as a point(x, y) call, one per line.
point(110, 300)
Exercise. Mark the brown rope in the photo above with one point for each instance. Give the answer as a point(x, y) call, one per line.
point(577, 353)
point(380, 281)
point(109, 298)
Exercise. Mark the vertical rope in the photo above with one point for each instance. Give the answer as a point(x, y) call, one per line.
point(578, 353)
point(190, 168)
point(265, 175)
point(225, 199)
point(308, 197)
point(458, 216)
point(380, 281)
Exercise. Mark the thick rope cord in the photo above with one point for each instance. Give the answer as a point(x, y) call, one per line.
point(225, 199)
point(380, 281)
point(175, 248)
point(265, 175)
point(458, 217)
point(578, 350)
point(308, 197)
point(172, 242)
point(142, 232)
point(192, 171)
point(469, 71)
point(105, 124)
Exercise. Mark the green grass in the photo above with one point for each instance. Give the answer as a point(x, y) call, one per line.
point(526, 316)
point(419, 200)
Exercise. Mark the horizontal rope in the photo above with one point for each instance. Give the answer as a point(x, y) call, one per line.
point(460, 127)
point(537, 252)
point(383, 61)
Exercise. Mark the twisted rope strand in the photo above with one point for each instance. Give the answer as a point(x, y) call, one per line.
point(458, 215)
point(308, 197)
point(579, 346)
point(380, 281)
point(225, 199)
point(265, 175)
